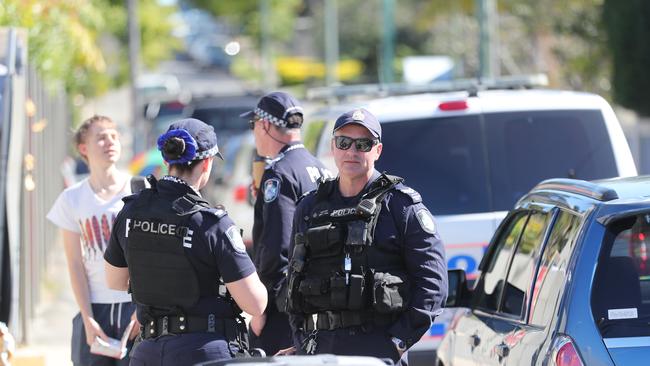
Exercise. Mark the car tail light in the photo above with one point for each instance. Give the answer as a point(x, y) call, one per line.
point(241, 193)
point(564, 352)
point(454, 105)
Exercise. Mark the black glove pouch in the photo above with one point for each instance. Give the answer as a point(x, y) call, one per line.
point(389, 293)
point(325, 240)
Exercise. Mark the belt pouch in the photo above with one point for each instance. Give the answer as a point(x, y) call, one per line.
point(355, 299)
point(338, 293)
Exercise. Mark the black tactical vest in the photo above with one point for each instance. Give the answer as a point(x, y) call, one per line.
point(158, 235)
point(329, 269)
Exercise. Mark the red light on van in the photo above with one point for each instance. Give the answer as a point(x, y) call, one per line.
point(240, 193)
point(454, 105)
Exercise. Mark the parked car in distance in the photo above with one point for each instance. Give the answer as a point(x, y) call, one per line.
point(563, 282)
point(222, 112)
point(473, 154)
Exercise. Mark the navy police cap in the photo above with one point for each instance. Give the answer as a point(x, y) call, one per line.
point(361, 117)
point(200, 141)
point(279, 108)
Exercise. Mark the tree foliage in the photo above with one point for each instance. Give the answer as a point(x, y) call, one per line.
point(82, 43)
point(628, 28)
point(246, 15)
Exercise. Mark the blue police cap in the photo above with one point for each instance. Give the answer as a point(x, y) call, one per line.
point(361, 117)
point(199, 141)
point(279, 108)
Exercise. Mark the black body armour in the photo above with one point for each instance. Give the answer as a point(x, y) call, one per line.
point(161, 276)
point(329, 269)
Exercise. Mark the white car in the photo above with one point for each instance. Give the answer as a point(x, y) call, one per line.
point(472, 155)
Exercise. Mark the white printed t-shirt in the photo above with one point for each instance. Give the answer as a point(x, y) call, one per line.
point(80, 210)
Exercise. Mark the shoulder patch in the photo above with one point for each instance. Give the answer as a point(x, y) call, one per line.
point(426, 220)
point(415, 196)
point(271, 189)
point(235, 239)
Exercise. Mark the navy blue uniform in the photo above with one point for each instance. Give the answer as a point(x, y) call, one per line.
point(405, 228)
point(288, 177)
point(211, 246)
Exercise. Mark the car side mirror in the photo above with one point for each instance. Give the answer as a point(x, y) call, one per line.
point(458, 293)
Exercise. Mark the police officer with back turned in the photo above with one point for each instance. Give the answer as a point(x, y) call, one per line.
point(367, 273)
point(291, 172)
point(170, 248)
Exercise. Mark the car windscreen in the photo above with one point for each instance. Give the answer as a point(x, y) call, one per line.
point(441, 158)
point(484, 163)
point(525, 148)
point(620, 297)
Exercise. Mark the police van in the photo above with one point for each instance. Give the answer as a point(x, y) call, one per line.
point(473, 153)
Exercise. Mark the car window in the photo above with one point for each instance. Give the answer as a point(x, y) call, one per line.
point(552, 271)
point(620, 297)
point(442, 158)
point(524, 263)
point(490, 284)
point(527, 147)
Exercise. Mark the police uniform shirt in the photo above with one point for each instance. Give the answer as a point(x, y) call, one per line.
point(286, 178)
point(212, 245)
point(405, 226)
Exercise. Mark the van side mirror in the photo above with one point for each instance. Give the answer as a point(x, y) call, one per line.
point(458, 294)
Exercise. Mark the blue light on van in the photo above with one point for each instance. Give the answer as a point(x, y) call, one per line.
point(437, 330)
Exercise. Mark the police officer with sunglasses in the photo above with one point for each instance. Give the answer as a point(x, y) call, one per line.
point(367, 272)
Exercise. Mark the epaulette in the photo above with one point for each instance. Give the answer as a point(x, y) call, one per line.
point(189, 204)
point(412, 193)
point(130, 197)
point(313, 191)
point(219, 211)
point(271, 162)
point(325, 187)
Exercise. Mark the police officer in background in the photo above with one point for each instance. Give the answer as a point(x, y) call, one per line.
point(367, 274)
point(291, 172)
point(170, 248)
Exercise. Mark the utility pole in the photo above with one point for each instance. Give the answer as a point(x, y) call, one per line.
point(388, 42)
point(134, 71)
point(331, 41)
point(488, 38)
point(267, 56)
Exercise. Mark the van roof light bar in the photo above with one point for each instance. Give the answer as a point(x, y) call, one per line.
point(581, 187)
point(472, 85)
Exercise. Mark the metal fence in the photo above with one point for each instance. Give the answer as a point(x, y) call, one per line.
point(36, 120)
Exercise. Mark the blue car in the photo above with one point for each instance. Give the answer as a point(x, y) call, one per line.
point(564, 281)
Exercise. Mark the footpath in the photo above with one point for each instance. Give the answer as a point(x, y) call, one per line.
point(51, 329)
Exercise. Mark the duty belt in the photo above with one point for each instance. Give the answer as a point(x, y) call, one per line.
point(330, 320)
point(179, 324)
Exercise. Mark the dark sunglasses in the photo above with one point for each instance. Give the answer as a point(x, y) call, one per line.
point(251, 122)
point(362, 144)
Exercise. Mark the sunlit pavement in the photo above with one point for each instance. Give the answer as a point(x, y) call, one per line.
point(51, 329)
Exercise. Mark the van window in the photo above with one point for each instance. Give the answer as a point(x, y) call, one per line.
point(552, 271)
point(443, 159)
point(524, 263)
point(465, 165)
point(490, 285)
point(528, 147)
point(620, 298)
